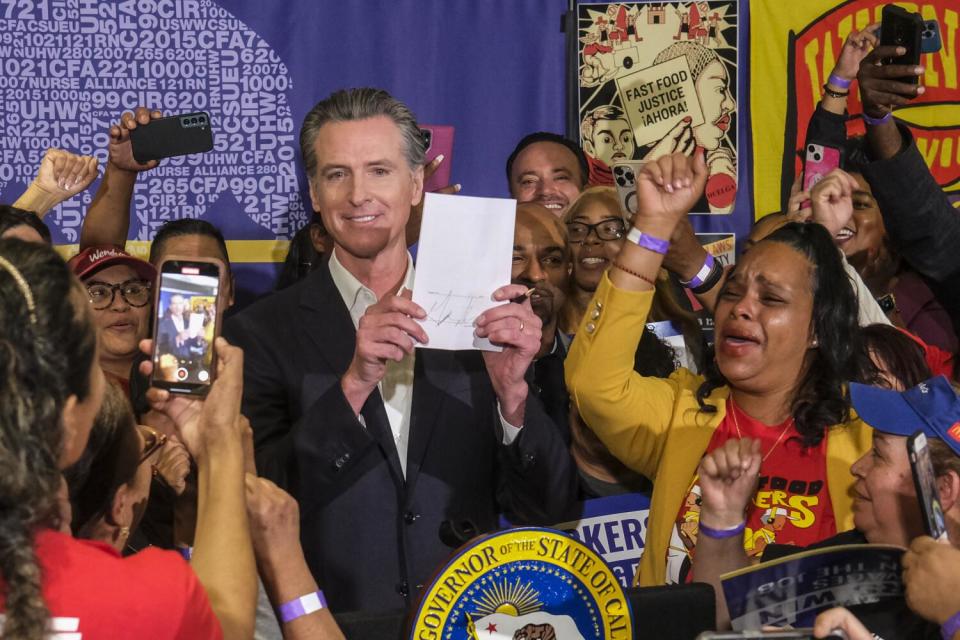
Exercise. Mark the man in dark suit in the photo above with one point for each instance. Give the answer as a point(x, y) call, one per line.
point(388, 448)
point(173, 336)
point(541, 260)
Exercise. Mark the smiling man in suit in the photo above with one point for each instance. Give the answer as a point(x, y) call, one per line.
point(385, 445)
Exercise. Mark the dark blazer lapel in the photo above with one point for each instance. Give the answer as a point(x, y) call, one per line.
point(328, 323)
point(431, 376)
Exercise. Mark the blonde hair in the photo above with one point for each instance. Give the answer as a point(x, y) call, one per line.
point(604, 195)
point(665, 306)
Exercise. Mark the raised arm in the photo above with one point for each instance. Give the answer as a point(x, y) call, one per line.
point(61, 176)
point(728, 478)
point(275, 525)
point(920, 221)
point(108, 218)
point(627, 411)
point(211, 429)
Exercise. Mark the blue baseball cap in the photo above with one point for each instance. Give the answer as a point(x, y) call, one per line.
point(932, 406)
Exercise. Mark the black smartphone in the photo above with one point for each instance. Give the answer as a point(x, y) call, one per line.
point(901, 28)
point(172, 136)
point(926, 483)
point(187, 309)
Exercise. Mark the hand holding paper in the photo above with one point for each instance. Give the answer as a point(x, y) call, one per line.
point(514, 326)
point(387, 331)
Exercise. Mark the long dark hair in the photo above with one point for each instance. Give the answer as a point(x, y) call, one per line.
point(47, 350)
point(820, 399)
point(109, 462)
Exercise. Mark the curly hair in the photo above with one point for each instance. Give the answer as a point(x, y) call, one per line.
point(819, 398)
point(45, 357)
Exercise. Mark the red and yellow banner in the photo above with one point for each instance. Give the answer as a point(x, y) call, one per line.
point(794, 46)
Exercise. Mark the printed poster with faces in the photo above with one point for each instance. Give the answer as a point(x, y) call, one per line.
point(657, 78)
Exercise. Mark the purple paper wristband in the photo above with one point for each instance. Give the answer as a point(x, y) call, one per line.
point(950, 628)
point(837, 81)
point(720, 534)
point(302, 606)
point(641, 239)
point(702, 275)
point(873, 122)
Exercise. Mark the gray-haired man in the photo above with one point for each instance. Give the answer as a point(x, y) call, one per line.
point(384, 446)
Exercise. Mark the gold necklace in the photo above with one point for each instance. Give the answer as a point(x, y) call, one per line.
point(736, 423)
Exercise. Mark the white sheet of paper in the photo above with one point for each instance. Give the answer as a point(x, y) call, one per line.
point(464, 255)
point(196, 325)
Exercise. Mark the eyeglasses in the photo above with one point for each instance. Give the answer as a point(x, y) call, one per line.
point(609, 229)
point(135, 293)
point(152, 442)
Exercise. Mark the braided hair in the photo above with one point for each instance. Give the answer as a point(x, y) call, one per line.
point(47, 350)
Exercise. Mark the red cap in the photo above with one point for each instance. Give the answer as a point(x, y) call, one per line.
point(98, 257)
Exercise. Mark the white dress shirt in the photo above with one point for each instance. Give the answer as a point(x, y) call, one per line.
point(396, 388)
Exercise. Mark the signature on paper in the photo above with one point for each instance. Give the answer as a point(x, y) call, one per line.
point(452, 309)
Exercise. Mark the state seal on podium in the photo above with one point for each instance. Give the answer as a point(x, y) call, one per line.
point(524, 584)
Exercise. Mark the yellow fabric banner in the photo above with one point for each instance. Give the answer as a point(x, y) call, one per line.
point(793, 48)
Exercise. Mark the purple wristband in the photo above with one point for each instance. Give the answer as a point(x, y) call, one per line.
point(648, 242)
point(302, 606)
point(702, 275)
point(720, 534)
point(950, 628)
point(873, 122)
point(837, 81)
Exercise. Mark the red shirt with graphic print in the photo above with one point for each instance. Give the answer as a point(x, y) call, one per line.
point(792, 502)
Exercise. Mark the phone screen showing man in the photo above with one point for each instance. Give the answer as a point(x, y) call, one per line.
point(186, 325)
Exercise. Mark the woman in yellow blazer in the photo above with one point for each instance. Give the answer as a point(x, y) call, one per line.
point(786, 342)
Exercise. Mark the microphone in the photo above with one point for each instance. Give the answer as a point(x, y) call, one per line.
point(456, 533)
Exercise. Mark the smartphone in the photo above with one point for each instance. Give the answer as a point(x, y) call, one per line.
point(187, 311)
point(820, 160)
point(439, 140)
point(172, 136)
point(930, 40)
point(925, 481)
point(786, 634)
point(899, 27)
point(625, 177)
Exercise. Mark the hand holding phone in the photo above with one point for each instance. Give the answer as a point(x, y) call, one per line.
point(925, 480)
point(901, 28)
point(439, 142)
point(173, 136)
point(187, 322)
point(819, 160)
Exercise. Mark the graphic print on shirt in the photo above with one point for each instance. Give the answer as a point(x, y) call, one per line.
point(791, 504)
point(782, 512)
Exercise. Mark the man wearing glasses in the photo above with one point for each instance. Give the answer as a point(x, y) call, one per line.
point(119, 288)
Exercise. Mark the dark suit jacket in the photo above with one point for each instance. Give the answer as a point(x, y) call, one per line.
point(370, 535)
point(167, 339)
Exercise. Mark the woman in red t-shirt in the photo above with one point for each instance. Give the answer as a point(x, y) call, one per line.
point(51, 388)
point(787, 341)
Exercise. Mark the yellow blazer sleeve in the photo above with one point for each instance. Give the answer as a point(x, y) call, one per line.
point(630, 413)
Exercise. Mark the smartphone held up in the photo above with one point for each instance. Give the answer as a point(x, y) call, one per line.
point(188, 308)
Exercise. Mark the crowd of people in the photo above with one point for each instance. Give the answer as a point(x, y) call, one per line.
point(333, 465)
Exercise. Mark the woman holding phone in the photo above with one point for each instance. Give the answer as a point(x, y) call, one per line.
point(51, 388)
